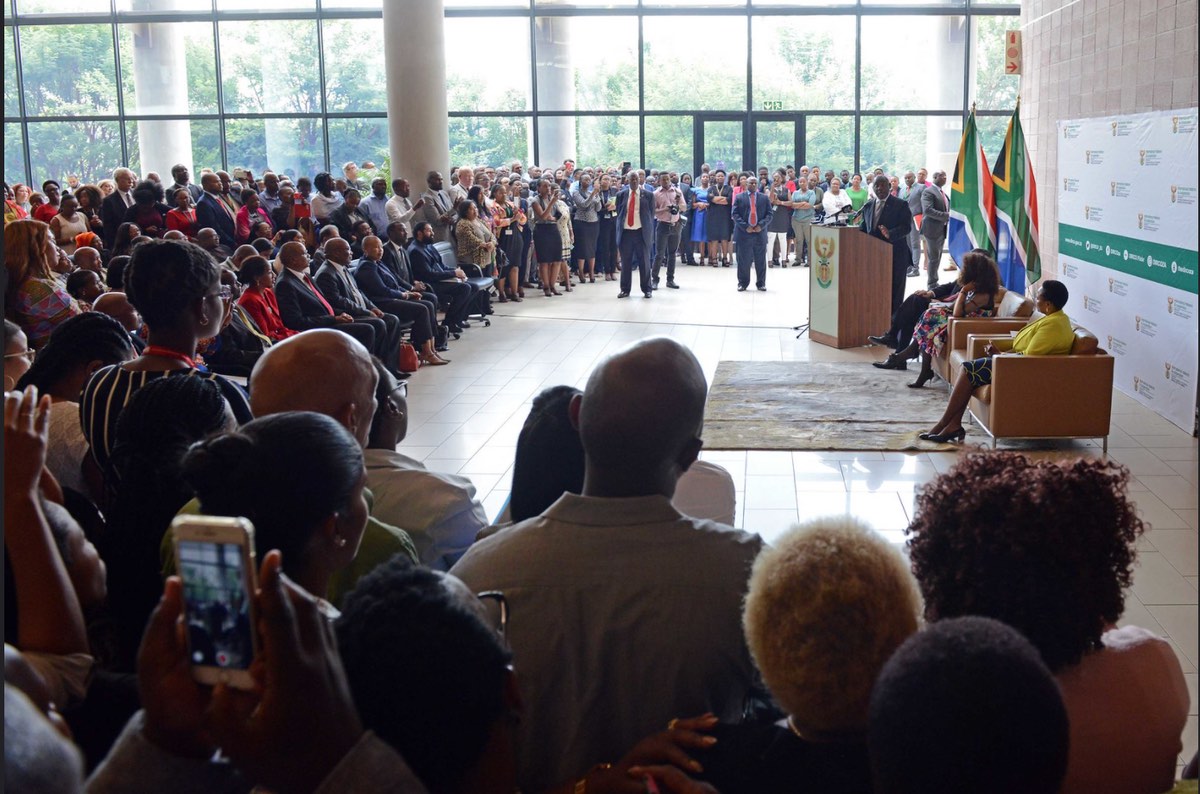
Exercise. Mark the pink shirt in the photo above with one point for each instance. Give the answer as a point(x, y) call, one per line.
point(663, 199)
point(1127, 705)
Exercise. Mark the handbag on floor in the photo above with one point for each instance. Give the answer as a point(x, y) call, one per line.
point(408, 361)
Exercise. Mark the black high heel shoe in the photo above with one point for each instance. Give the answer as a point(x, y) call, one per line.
point(945, 438)
point(921, 380)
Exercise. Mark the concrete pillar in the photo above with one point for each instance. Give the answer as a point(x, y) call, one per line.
point(943, 134)
point(160, 85)
point(414, 46)
point(556, 90)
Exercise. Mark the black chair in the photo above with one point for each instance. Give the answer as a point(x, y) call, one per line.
point(475, 277)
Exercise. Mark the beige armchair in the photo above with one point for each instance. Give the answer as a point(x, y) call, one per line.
point(1013, 313)
point(1068, 396)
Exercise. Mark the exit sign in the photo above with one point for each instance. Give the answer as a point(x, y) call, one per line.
point(772, 104)
point(1012, 52)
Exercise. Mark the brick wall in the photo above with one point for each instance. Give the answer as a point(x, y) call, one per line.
point(1098, 58)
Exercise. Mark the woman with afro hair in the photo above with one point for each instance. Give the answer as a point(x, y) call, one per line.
point(1048, 548)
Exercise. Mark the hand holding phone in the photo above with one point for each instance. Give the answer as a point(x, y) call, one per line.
point(215, 559)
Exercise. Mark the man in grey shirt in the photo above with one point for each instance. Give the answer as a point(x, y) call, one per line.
point(625, 613)
point(911, 192)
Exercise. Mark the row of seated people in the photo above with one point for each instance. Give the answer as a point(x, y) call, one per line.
point(412, 283)
point(633, 645)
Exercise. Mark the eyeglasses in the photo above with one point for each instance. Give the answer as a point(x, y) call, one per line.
point(29, 354)
point(498, 614)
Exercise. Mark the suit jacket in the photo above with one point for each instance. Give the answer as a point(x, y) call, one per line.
point(300, 309)
point(436, 204)
point(210, 214)
point(914, 198)
point(894, 216)
point(397, 262)
point(936, 211)
point(377, 281)
point(741, 211)
point(336, 287)
point(427, 264)
point(645, 212)
point(345, 218)
point(112, 213)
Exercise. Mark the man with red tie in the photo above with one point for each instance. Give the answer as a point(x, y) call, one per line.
point(213, 212)
point(635, 234)
point(752, 212)
point(303, 307)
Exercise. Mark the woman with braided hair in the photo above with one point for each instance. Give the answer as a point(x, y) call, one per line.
point(77, 348)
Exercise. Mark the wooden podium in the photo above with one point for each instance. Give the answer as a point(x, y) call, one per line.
point(850, 286)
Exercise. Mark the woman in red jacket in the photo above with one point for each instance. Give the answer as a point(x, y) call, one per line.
point(258, 299)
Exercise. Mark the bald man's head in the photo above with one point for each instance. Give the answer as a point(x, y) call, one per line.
point(294, 256)
point(243, 253)
point(118, 307)
point(664, 381)
point(344, 388)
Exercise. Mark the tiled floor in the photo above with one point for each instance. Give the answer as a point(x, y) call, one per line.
point(465, 418)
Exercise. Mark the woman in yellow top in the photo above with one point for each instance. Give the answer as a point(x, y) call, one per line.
point(1050, 335)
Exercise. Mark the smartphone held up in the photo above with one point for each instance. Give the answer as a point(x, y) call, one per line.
point(215, 559)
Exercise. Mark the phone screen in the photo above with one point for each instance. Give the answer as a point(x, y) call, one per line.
point(218, 606)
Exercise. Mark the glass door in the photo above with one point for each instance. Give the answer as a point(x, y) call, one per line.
point(777, 142)
point(720, 141)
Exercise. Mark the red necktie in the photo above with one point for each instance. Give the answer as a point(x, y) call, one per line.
point(753, 210)
point(317, 292)
point(632, 209)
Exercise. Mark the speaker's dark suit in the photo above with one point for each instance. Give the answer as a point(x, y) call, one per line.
point(751, 246)
point(344, 296)
point(635, 244)
point(427, 266)
point(301, 309)
point(210, 214)
point(112, 212)
point(894, 216)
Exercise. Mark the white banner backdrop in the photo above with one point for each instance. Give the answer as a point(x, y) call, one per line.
point(1127, 218)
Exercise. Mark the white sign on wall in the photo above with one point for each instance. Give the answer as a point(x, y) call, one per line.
point(1127, 240)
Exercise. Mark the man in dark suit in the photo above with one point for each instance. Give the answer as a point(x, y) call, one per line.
point(214, 213)
point(887, 218)
point(384, 290)
point(338, 286)
point(635, 234)
point(112, 209)
point(450, 284)
point(752, 212)
point(395, 259)
point(302, 306)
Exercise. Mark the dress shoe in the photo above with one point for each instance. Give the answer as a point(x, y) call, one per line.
point(672, 285)
point(886, 340)
point(762, 288)
point(647, 294)
point(741, 287)
point(622, 294)
point(654, 285)
point(912, 271)
point(442, 348)
point(891, 362)
point(945, 438)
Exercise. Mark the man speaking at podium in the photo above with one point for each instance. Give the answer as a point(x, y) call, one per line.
point(888, 218)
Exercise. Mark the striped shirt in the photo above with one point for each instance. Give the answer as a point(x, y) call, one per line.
point(110, 389)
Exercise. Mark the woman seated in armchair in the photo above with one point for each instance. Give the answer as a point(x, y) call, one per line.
point(978, 295)
point(1051, 335)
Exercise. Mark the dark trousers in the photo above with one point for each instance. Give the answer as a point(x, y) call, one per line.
point(456, 297)
point(633, 250)
point(362, 331)
point(387, 337)
point(906, 317)
point(751, 251)
point(666, 241)
point(901, 262)
point(422, 315)
point(606, 246)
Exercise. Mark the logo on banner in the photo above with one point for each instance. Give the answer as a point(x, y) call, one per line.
point(1177, 375)
point(1137, 321)
point(1170, 305)
point(1180, 307)
point(1110, 284)
point(1137, 384)
point(1141, 156)
point(1174, 193)
point(1113, 190)
point(1114, 129)
point(1141, 220)
point(1168, 373)
point(1174, 125)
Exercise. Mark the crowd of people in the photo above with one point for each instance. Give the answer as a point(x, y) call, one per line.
point(610, 630)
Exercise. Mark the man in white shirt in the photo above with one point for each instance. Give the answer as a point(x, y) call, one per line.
point(466, 179)
point(399, 208)
point(626, 613)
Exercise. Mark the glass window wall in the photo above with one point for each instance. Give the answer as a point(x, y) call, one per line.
point(94, 84)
